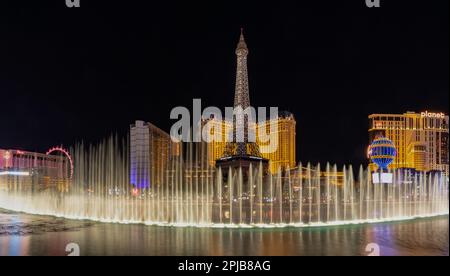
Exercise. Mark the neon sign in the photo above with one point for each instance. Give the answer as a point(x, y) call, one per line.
point(427, 114)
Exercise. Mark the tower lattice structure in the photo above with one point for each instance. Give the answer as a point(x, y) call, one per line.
point(241, 148)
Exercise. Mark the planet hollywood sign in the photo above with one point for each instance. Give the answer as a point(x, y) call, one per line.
point(427, 114)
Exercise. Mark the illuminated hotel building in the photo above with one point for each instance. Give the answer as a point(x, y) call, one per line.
point(150, 152)
point(282, 153)
point(219, 131)
point(32, 170)
point(421, 139)
point(281, 157)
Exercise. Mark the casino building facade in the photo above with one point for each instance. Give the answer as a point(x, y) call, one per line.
point(34, 171)
point(282, 155)
point(421, 139)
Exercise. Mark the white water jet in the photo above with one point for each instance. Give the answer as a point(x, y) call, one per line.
point(191, 193)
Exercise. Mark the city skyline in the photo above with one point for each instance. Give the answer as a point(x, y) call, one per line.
point(311, 72)
point(209, 129)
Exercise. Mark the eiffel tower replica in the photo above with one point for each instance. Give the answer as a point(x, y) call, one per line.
point(241, 153)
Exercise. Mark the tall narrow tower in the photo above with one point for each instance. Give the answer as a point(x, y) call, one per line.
point(242, 152)
point(240, 146)
point(241, 96)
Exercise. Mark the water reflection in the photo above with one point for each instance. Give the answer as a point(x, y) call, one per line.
point(419, 237)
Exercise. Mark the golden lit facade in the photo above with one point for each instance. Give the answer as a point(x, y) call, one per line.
point(421, 139)
point(162, 149)
point(219, 130)
point(281, 154)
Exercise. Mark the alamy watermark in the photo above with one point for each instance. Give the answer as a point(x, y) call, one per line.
point(73, 249)
point(73, 3)
point(373, 249)
point(369, 3)
point(241, 125)
point(373, 3)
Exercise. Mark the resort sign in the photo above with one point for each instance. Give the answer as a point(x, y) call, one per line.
point(427, 114)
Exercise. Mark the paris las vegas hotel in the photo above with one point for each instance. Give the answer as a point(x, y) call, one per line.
point(151, 148)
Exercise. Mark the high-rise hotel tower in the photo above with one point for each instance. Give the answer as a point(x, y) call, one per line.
point(421, 139)
point(150, 152)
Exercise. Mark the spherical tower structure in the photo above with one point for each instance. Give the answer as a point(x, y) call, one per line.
point(382, 152)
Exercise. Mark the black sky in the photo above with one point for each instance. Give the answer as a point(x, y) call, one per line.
point(80, 74)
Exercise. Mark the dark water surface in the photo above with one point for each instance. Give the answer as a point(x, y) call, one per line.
point(22, 234)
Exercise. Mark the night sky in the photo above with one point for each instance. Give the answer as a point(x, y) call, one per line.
point(68, 75)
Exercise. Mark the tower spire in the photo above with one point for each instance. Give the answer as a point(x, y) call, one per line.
point(241, 94)
point(241, 49)
point(241, 38)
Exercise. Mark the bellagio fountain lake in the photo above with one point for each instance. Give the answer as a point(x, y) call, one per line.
point(191, 193)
